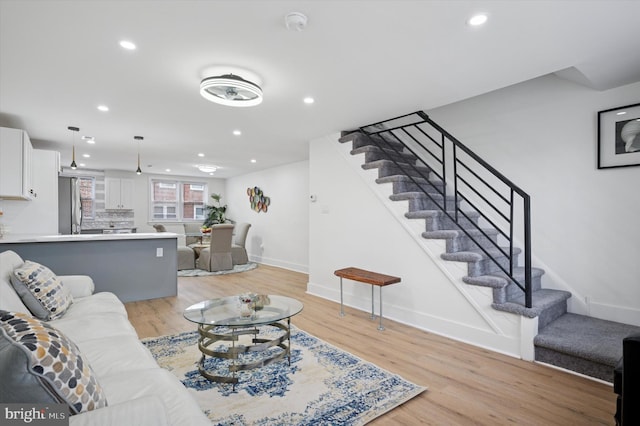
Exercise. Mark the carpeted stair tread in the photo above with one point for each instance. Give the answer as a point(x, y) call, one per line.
point(500, 279)
point(383, 163)
point(427, 214)
point(586, 337)
point(478, 255)
point(385, 151)
point(405, 178)
point(417, 194)
point(455, 233)
point(541, 300)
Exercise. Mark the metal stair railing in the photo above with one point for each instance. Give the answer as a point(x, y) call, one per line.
point(462, 178)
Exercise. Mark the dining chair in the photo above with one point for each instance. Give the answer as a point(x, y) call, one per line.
point(217, 257)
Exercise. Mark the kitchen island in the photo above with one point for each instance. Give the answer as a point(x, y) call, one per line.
point(135, 266)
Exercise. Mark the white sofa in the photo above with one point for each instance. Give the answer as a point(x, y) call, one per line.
point(137, 390)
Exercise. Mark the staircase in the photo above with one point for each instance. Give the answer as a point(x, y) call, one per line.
point(582, 344)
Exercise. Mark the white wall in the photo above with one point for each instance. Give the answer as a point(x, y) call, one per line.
point(280, 236)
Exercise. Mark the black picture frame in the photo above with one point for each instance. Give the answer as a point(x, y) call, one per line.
point(619, 137)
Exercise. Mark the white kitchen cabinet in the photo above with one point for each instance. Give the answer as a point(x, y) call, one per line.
point(40, 215)
point(15, 165)
point(118, 194)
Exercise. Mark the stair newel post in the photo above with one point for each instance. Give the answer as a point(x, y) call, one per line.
point(527, 251)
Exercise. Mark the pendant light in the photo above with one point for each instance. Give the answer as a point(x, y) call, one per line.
point(138, 138)
point(73, 152)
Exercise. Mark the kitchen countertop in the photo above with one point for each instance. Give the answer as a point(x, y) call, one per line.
point(33, 238)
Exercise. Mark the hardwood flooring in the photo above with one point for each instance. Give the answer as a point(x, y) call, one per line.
point(466, 384)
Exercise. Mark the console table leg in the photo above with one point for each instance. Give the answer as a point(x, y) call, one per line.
point(380, 327)
point(373, 315)
point(341, 304)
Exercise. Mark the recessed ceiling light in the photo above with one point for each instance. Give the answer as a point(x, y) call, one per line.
point(167, 170)
point(477, 20)
point(201, 154)
point(253, 160)
point(86, 155)
point(125, 44)
point(81, 164)
point(237, 132)
point(308, 100)
point(89, 139)
point(103, 108)
point(211, 174)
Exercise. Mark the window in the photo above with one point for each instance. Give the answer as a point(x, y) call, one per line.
point(87, 196)
point(176, 200)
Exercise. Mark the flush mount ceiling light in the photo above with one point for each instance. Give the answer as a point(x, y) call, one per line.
point(231, 90)
point(206, 168)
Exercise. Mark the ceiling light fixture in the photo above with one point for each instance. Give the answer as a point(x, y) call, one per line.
point(89, 139)
point(237, 132)
point(231, 90)
point(308, 100)
point(86, 155)
point(201, 154)
point(477, 20)
point(73, 164)
point(206, 168)
point(138, 138)
point(103, 108)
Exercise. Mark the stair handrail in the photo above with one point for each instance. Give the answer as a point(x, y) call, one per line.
point(380, 136)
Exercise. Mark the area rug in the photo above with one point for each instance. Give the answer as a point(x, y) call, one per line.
point(323, 385)
point(202, 273)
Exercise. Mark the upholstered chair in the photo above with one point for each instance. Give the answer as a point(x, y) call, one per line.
point(238, 250)
point(186, 255)
point(159, 228)
point(192, 232)
point(217, 257)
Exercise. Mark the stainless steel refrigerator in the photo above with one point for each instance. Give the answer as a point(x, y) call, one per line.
point(69, 205)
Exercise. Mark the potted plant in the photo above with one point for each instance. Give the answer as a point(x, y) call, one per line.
point(215, 213)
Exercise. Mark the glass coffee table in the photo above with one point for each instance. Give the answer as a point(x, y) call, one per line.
point(228, 318)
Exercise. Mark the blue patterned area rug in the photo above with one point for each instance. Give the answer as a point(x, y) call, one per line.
point(323, 385)
point(202, 273)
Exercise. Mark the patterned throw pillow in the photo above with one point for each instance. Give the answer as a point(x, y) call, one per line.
point(39, 364)
point(41, 291)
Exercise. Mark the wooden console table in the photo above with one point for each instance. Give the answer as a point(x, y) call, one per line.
point(367, 277)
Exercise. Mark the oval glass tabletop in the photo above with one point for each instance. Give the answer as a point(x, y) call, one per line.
point(226, 311)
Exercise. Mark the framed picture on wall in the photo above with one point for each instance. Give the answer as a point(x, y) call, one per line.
point(619, 137)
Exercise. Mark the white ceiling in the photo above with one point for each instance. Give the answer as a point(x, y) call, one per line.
point(362, 61)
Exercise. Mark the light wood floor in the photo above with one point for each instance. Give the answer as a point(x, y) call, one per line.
point(466, 385)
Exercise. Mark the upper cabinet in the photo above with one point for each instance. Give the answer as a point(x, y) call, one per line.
point(118, 194)
point(15, 165)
